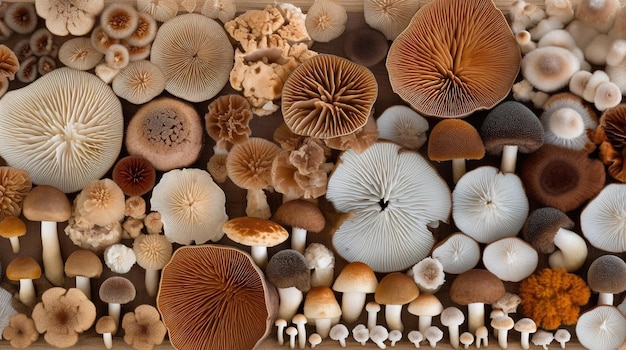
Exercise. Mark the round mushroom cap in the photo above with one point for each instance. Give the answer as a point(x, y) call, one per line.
point(607, 274)
point(101, 202)
point(356, 277)
point(601, 221)
point(511, 123)
point(390, 17)
point(426, 304)
point(320, 302)
point(139, 82)
point(454, 138)
point(510, 259)
point(12, 226)
point(402, 125)
point(152, 251)
point(567, 122)
point(23, 267)
point(457, 253)
point(452, 315)
point(249, 164)
point(135, 175)
point(106, 324)
point(78, 53)
point(476, 286)
point(602, 327)
point(117, 290)
point(47, 203)
point(365, 46)
point(83, 262)
point(302, 214)
point(542, 225)
point(549, 68)
point(9, 63)
point(396, 288)
point(502, 322)
point(525, 324)
point(287, 268)
point(253, 231)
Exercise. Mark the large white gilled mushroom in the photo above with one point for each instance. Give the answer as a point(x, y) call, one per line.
point(602, 220)
point(602, 327)
point(392, 194)
point(488, 204)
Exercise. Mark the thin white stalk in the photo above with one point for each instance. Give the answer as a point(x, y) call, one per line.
point(257, 204)
point(509, 159)
point(114, 311)
point(298, 239)
point(502, 338)
point(259, 255)
point(458, 169)
point(15, 244)
point(107, 338)
point(322, 276)
point(393, 316)
point(152, 282)
point(51, 253)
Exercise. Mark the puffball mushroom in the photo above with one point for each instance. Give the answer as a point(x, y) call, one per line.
point(322, 308)
point(355, 281)
point(24, 269)
point(607, 276)
point(393, 291)
point(602, 327)
point(257, 233)
point(303, 216)
point(601, 220)
point(288, 272)
point(152, 253)
point(83, 264)
point(119, 258)
point(115, 291)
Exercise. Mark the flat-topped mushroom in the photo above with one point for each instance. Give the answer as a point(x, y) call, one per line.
point(257, 233)
point(83, 264)
point(24, 269)
point(457, 253)
point(303, 216)
point(568, 122)
point(426, 306)
point(475, 288)
point(135, 175)
point(12, 228)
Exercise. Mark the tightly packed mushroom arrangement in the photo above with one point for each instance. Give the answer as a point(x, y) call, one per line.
point(187, 174)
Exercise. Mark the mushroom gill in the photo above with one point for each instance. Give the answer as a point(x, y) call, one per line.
point(611, 136)
point(9, 63)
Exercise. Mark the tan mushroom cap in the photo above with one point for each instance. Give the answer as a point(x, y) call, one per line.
point(9, 63)
point(106, 324)
point(320, 302)
point(139, 82)
point(354, 277)
point(228, 118)
point(396, 289)
point(101, 202)
point(328, 96)
point(69, 17)
point(454, 58)
point(302, 214)
point(12, 226)
point(426, 304)
point(78, 53)
point(254, 231)
point(161, 10)
point(23, 267)
point(47, 203)
point(83, 262)
point(152, 251)
point(476, 286)
point(249, 164)
point(454, 138)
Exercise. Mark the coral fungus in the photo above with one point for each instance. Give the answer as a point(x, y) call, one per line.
point(553, 297)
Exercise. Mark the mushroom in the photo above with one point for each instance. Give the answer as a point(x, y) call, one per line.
point(101, 202)
point(372, 309)
point(224, 10)
point(167, 132)
point(339, 332)
point(135, 175)
point(63, 18)
point(525, 326)
point(303, 216)
point(116, 291)
point(24, 269)
point(191, 205)
point(49, 205)
point(21, 18)
point(549, 68)
point(567, 122)
point(608, 135)
point(143, 328)
point(62, 314)
point(488, 204)
point(457, 253)
point(12, 228)
point(600, 219)
point(119, 258)
point(83, 264)
point(562, 336)
point(117, 57)
point(395, 290)
point(378, 335)
point(9, 62)
point(482, 336)
point(106, 326)
point(78, 53)
point(139, 82)
point(91, 236)
point(607, 276)
point(300, 321)
point(195, 55)
point(145, 32)
point(466, 338)
point(502, 324)
point(257, 233)
point(77, 143)
point(101, 41)
point(152, 253)
point(361, 334)
point(203, 275)
point(510, 258)
point(428, 274)
point(119, 20)
point(153, 223)
point(474, 288)
point(433, 334)
point(45, 65)
point(20, 332)
point(161, 10)
point(292, 332)
point(425, 307)
point(542, 338)
point(602, 326)
point(384, 206)
point(402, 125)
point(321, 261)
point(227, 121)
point(452, 317)
point(600, 15)
point(355, 281)
point(325, 20)
point(509, 128)
point(508, 303)
point(27, 73)
point(391, 17)
point(288, 272)
point(365, 46)
point(280, 324)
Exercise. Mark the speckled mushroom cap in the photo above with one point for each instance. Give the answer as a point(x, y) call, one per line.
point(328, 96)
point(117, 290)
point(167, 132)
point(476, 286)
point(511, 123)
point(542, 225)
point(287, 268)
point(300, 213)
point(454, 58)
point(61, 140)
point(607, 274)
point(254, 231)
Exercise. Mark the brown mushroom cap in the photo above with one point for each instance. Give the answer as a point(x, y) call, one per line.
point(12, 226)
point(135, 175)
point(356, 277)
point(610, 134)
point(454, 138)
point(253, 231)
point(117, 290)
point(396, 288)
point(606, 274)
point(83, 262)
point(228, 118)
point(476, 286)
point(541, 227)
point(365, 46)
point(302, 214)
point(511, 123)
point(249, 164)
point(320, 302)
point(106, 324)
point(15, 184)
point(328, 96)
point(152, 251)
point(287, 268)
point(455, 57)
point(47, 203)
point(9, 63)
point(23, 267)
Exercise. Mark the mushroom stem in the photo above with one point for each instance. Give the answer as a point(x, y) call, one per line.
point(475, 316)
point(453, 336)
point(372, 314)
point(84, 284)
point(352, 305)
point(322, 276)
point(51, 253)
point(322, 326)
point(605, 298)
point(393, 316)
point(509, 158)
point(114, 311)
point(502, 338)
point(572, 251)
point(259, 255)
point(257, 204)
point(458, 169)
point(15, 244)
point(107, 338)
point(26, 293)
point(152, 281)
point(298, 239)
point(424, 322)
point(524, 340)
point(290, 300)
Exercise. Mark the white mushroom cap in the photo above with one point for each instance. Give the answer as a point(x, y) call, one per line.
point(602, 219)
point(562, 336)
point(433, 334)
point(560, 9)
point(224, 10)
point(139, 82)
point(428, 274)
point(457, 253)
point(597, 77)
point(608, 95)
point(119, 258)
point(542, 338)
point(597, 49)
point(578, 81)
point(602, 327)
point(549, 68)
point(402, 125)
point(566, 122)
point(161, 10)
point(390, 17)
point(325, 20)
point(78, 53)
point(510, 258)
point(69, 17)
point(599, 14)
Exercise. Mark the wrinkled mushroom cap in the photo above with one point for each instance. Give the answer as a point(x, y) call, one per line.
point(300, 213)
point(16, 184)
point(249, 163)
point(69, 17)
point(253, 231)
point(542, 225)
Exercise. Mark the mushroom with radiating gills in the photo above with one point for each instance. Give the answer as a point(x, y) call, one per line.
point(204, 275)
point(378, 335)
point(457, 253)
point(119, 258)
point(20, 331)
point(15, 184)
point(101, 202)
point(302, 216)
point(525, 326)
point(509, 128)
point(300, 320)
point(64, 18)
point(143, 328)
point(488, 204)
point(20, 17)
point(609, 137)
point(562, 178)
point(568, 122)
point(12, 228)
point(600, 220)
point(602, 326)
point(391, 18)
point(452, 317)
point(135, 175)
point(27, 73)
point(90, 129)
point(101, 41)
point(562, 336)
point(549, 68)
point(49, 205)
point(63, 314)
point(365, 46)
point(354, 281)
point(144, 32)
point(258, 234)
point(287, 270)
point(455, 140)
point(539, 290)
point(542, 338)
point(24, 269)
point(321, 261)
point(361, 334)
point(511, 259)
point(475, 288)
point(606, 276)
point(328, 96)
point(195, 55)
point(415, 337)
point(395, 290)
point(339, 332)
point(167, 132)
point(116, 291)
point(42, 44)
point(400, 204)
point(224, 10)
point(249, 166)
point(45, 65)
point(547, 229)
point(403, 125)
point(191, 205)
point(325, 20)
point(161, 10)
point(119, 20)
point(425, 307)
point(78, 53)
point(152, 253)
point(10, 62)
point(106, 326)
point(118, 57)
point(428, 274)
point(502, 325)
point(83, 264)
point(139, 81)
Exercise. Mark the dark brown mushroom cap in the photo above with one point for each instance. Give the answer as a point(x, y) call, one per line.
point(511, 123)
point(476, 286)
point(117, 290)
point(135, 175)
point(396, 289)
point(46, 203)
point(455, 57)
point(542, 225)
point(365, 46)
point(83, 262)
point(454, 138)
point(328, 96)
point(302, 214)
point(287, 268)
point(607, 274)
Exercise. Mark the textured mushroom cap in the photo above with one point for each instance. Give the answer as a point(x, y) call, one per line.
point(302, 214)
point(117, 290)
point(396, 288)
point(69, 17)
point(425, 304)
point(224, 10)
point(106, 324)
point(450, 71)
point(602, 327)
point(83, 262)
point(78, 53)
point(253, 231)
point(46, 203)
point(549, 68)
point(143, 327)
point(568, 122)
point(62, 141)
point(402, 125)
point(607, 274)
point(249, 163)
point(167, 132)
point(119, 20)
point(152, 251)
point(161, 10)
point(195, 55)
point(511, 123)
point(23, 267)
point(16, 184)
point(9, 63)
point(101, 202)
point(325, 20)
point(192, 206)
point(320, 302)
point(139, 82)
point(389, 17)
point(510, 259)
point(228, 119)
point(356, 277)
point(457, 253)
point(287, 268)
point(454, 138)
point(542, 225)
point(12, 226)
point(135, 175)
point(610, 134)
point(328, 96)
point(476, 286)
point(365, 46)
point(203, 275)
point(21, 17)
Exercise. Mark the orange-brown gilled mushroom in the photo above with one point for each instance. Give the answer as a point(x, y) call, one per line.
point(215, 297)
point(9, 63)
point(610, 137)
point(328, 96)
point(455, 57)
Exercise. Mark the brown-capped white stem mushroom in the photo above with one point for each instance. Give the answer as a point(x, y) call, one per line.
point(378, 335)
point(257, 233)
point(502, 324)
point(372, 309)
point(355, 281)
point(452, 317)
point(339, 332)
point(292, 332)
point(106, 326)
point(466, 338)
point(288, 272)
point(83, 264)
point(394, 290)
point(425, 307)
point(322, 308)
point(12, 228)
point(152, 253)
point(280, 324)
point(474, 288)
point(24, 269)
point(482, 336)
point(525, 326)
point(300, 321)
point(303, 216)
point(115, 291)
point(607, 276)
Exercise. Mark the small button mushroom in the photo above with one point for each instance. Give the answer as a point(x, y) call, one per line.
point(525, 326)
point(106, 326)
point(300, 321)
point(116, 291)
point(119, 258)
point(303, 216)
point(83, 264)
point(24, 269)
point(433, 334)
point(466, 338)
point(378, 335)
point(12, 228)
point(562, 336)
point(502, 324)
point(355, 281)
point(452, 317)
point(394, 290)
point(482, 336)
point(607, 276)
point(315, 340)
point(361, 334)
point(322, 308)
point(394, 337)
point(415, 337)
point(425, 307)
point(372, 309)
point(152, 252)
point(292, 332)
point(280, 324)
point(339, 332)
point(474, 288)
